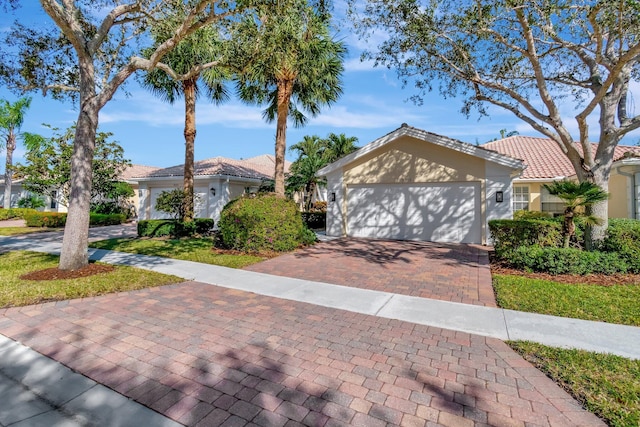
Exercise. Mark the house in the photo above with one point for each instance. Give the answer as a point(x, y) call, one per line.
point(51, 202)
point(415, 185)
point(547, 163)
point(217, 181)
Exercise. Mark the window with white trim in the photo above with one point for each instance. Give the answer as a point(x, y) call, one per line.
point(550, 203)
point(520, 197)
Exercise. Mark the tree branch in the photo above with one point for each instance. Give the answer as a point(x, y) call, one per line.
point(108, 22)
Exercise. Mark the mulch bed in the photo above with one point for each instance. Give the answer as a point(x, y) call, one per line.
point(571, 279)
point(56, 274)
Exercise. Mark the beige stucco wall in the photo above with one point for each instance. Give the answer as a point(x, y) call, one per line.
point(618, 196)
point(618, 200)
point(410, 160)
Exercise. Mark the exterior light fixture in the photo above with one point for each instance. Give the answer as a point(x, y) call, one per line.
point(333, 197)
point(213, 192)
point(499, 196)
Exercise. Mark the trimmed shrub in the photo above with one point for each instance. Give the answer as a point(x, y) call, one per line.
point(623, 238)
point(263, 223)
point(32, 201)
point(13, 213)
point(315, 220)
point(45, 219)
point(106, 219)
point(510, 234)
point(522, 214)
point(174, 228)
point(564, 260)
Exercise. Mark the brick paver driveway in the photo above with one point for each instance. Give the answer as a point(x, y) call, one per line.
point(450, 272)
point(209, 356)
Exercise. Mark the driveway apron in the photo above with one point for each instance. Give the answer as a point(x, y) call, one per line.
point(449, 272)
point(208, 356)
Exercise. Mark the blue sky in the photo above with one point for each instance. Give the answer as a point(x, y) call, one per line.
point(373, 104)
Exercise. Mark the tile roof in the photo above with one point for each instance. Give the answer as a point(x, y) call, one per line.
point(259, 167)
point(543, 156)
point(137, 171)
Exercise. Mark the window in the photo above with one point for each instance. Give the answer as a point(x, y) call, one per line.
point(551, 204)
point(520, 197)
point(54, 202)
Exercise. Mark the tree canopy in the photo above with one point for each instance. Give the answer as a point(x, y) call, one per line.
point(11, 119)
point(47, 166)
point(542, 60)
point(290, 62)
point(87, 52)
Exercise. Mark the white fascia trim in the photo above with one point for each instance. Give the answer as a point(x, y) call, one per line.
point(534, 180)
point(427, 137)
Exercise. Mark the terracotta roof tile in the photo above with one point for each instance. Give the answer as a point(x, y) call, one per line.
point(543, 156)
point(138, 171)
point(259, 167)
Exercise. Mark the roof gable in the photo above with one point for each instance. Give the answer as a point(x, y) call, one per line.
point(543, 156)
point(422, 135)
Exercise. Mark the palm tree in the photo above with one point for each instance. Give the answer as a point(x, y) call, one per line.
point(199, 48)
point(302, 175)
point(293, 65)
point(11, 119)
point(339, 146)
point(578, 196)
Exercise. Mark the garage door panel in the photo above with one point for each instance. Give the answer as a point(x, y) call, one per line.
point(432, 212)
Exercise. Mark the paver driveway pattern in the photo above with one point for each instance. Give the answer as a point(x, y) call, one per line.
point(209, 356)
point(449, 272)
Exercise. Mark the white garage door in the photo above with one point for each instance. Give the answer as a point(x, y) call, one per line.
point(432, 212)
point(200, 207)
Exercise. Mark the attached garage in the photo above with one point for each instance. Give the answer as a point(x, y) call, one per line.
point(416, 185)
point(431, 212)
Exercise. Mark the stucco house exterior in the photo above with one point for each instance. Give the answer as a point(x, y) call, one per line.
point(546, 163)
point(415, 185)
point(217, 181)
point(51, 202)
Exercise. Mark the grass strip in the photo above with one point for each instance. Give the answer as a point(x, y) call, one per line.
point(612, 304)
point(607, 385)
point(17, 292)
point(197, 250)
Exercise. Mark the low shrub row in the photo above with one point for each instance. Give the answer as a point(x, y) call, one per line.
point(13, 213)
point(174, 228)
point(57, 219)
point(535, 245)
point(564, 260)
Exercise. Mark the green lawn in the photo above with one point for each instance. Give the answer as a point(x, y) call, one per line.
point(17, 292)
point(198, 250)
point(607, 385)
point(613, 304)
point(12, 231)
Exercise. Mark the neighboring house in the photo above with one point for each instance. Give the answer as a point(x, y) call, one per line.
point(129, 175)
point(51, 202)
point(217, 181)
point(547, 163)
point(415, 185)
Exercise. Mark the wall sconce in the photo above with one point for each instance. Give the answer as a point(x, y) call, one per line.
point(333, 197)
point(213, 192)
point(499, 196)
point(139, 193)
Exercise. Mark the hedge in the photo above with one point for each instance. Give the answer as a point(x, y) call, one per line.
point(12, 213)
point(174, 228)
point(564, 260)
point(623, 238)
point(508, 234)
point(57, 219)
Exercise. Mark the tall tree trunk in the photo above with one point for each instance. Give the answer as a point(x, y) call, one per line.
point(76, 231)
point(285, 90)
point(8, 169)
point(189, 88)
point(596, 233)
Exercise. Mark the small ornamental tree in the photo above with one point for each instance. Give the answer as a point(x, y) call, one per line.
point(174, 203)
point(578, 196)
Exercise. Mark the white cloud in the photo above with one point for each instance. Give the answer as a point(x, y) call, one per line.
point(356, 64)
